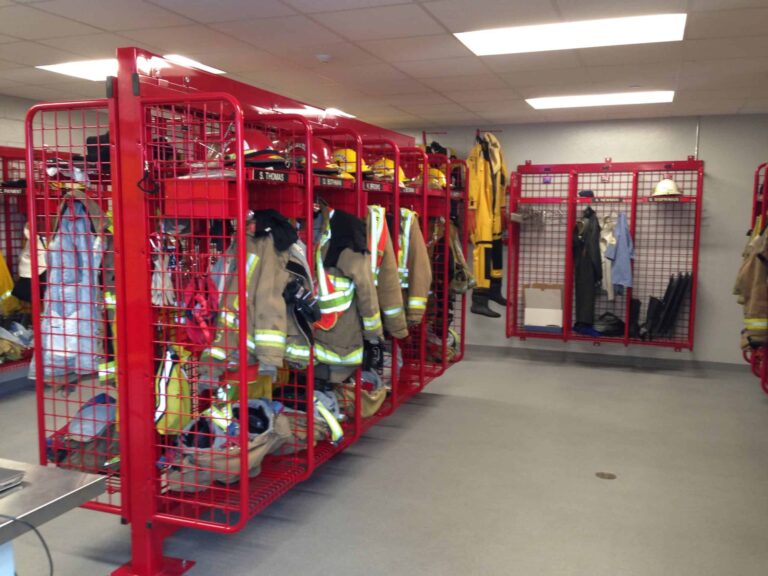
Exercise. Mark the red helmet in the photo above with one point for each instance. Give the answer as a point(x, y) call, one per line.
point(257, 148)
point(322, 157)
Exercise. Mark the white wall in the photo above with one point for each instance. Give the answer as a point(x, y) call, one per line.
point(12, 112)
point(731, 147)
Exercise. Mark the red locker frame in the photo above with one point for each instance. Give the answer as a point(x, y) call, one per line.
point(758, 358)
point(459, 209)
point(153, 106)
point(665, 232)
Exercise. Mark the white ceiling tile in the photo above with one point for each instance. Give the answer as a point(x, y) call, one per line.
point(685, 96)
point(476, 96)
point(113, 14)
point(517, 105)
point(34, 54)
point(513, 117)
point(727, 23)
point(184, 39)
point(39, 93)
point(30, 24)
point(379, 23)
point(376, 74)
point(635, 54)
point(463, 16)
point(718, 48)
point(713, 74)
point(465, 66)
point(699, 5)
point(534, 61)
point(396, 87)
point(408, 99)
point(342, 54)
point(755, 106)
point(5, 39)
point(311, 6)
point(245, 58)
point(449, 118)
point(431, 108)
point(96, 45)
point(660, 75)
point(417, 48)
point(5, 65)
point(555, 90)
point(276, 34)
point(479, 81)
point(208, 11)
point(7, 82)
point(593, 9)
point(562, 77)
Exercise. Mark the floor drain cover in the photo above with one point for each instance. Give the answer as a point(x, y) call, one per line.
point(606, 476)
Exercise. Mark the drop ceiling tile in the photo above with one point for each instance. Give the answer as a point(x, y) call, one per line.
point(501, 117)
point(506, 106)
point(7, 82)
point(562, 77)
point(5, 39)
point(30, 24)
point(432, 108)
point(534, 61)
point(648, 76)
point(754, 106)
point(208, 11)
point(183, 39)
point(541, 91)
point(244, 59)
point(717, 48)
point(635, 54)
point(276, 34)
point(34, 54)
point(573, 10)
point(463, 16)
point(701, 5)
point(95, 45)
point(477, 96)
point(446, 67)
point(113, 14)
point(28, 75)
point(342, 54)
point(39, 93)
point(479, 81)
point(312, 6)
point(449, 119)
point(417, 48)
point(727, 23)
point(395, 87)
point(374, 75)
point(713, 74)
point(380, 23)
point(424, 98)
point(718, 94)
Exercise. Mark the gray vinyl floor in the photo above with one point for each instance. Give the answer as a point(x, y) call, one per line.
point(492, 473)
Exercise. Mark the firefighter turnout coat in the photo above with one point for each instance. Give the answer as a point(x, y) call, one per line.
point(383, 265)
point(752, 289)
point(347, 296)
point(414, 266)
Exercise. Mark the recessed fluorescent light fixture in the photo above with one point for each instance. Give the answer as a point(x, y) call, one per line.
point(582, 34)
point(189, 63)
point(616, 99)
point(95, 70)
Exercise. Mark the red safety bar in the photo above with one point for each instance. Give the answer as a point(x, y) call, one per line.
point(550, 198)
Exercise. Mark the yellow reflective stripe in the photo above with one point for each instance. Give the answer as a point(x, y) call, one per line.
point(273, 338)
point(110, 299)
point(406, 221)
point(5, 295)
point(230, 319)
point(389, 312)
point(372, 322)
point(755, 323)
point(417, 302)
point(329, 357)
point(107, 369)
point(337, 433)
point(218, 417)
point(219, 353)
point(250, 267)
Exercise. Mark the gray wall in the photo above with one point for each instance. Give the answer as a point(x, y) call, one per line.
point(12, 112)
point(731, 147)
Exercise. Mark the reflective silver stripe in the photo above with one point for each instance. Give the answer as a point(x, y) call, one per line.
point(219, 353)
point(230, 319)
point(110, 299)
point(406, 221)
point(297, 351)
point(268, 338)
point(161, 394)
point(376, 216)
point(107, 369)
point(389, 312)
point(755, 323)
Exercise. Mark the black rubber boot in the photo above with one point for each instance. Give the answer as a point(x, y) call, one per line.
point(480, 305)
point(495, 295)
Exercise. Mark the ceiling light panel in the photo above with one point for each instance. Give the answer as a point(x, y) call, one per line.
point(615, 99)
point(571, 35)
point(95, 70)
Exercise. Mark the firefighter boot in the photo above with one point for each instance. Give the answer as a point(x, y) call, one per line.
point(480, 304)
point(495, 295)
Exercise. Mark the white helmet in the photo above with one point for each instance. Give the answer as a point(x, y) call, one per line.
point(666, 187)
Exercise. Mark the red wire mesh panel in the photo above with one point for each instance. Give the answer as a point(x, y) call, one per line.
point(413, 196)
point(665, 249)
point(75, 342)
point(459, 241)
point(436, 317)
point(538, 249)
point(12, 210)
point(656, 307)
point(213, 287)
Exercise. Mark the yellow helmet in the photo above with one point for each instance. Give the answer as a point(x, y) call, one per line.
point(384, 169)
point(437, 180)
point(346, 159)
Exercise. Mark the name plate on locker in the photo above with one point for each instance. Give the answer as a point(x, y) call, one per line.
point(270, 176)
point(337, 182)
point(373, 186)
